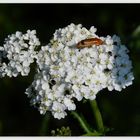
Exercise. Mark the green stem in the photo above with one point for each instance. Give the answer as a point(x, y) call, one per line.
point(97, 115)
point(93, 134)
point(44, 125)
point(81, 121)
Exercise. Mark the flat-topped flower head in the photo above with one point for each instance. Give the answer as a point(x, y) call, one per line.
point(67, 73)
point(18, 53)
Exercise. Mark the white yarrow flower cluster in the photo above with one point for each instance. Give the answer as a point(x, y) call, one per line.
point(18, 53)
point(66, 73)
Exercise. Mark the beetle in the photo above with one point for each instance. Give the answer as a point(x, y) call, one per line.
point(89, 42)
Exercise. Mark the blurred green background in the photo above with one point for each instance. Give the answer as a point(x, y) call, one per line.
point(120, 110)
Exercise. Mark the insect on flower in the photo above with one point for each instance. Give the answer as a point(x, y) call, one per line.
point(89, 42)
